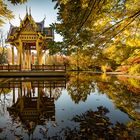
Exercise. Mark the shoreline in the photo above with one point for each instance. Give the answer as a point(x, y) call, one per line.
point(109, 73)
point(123, 74)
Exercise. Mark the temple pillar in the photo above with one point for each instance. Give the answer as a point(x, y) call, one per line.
point(50, 91)
point(13, 95)
point(20, 54)
point(21, 104)
point(20, 98)
point(39, 53)
point(19, 92)
point(33, 59)
point(26, 59)
point(38, 98)
point(24, 65)
point(29, 59)
point(40, 58)
point(45, 58)
point(37, 49)
point(13, 56)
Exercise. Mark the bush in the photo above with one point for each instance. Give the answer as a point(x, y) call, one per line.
point(123, 68)
point(135, 69)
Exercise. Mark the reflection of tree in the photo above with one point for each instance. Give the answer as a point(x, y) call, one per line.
point(80, 86)
point(4, 101)
point(122, 96)
point(125, 96)
point(4, 91)
point(53, 92)
point(132, 84)
point(95, 125)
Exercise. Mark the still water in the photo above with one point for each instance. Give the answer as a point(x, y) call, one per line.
point(77, 107)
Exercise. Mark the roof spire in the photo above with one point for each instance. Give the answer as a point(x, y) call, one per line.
point(26, 10)
point(20, 18)
point(29, 10)
point(10, 24)
point(44, 17)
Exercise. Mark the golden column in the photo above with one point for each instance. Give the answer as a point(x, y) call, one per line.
point(13, 56)
point(39, 44)
point(38, 98)
point(20, 53)
point(33, 58)
point(24, 62)
point(27, 58)
point(14, 95)
point(38, 52)
point(30, 57)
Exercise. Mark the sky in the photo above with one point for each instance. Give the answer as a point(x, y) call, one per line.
point(39, 9)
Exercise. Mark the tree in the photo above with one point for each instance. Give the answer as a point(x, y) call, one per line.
point(97, 28)
point(3, 49)
point(3, 55)
point(17, 1)
point(80, 85)
point(94, 21)
point(5, 13)
point(111, 24)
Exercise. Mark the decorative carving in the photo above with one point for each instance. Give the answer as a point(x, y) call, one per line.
point(28, 27)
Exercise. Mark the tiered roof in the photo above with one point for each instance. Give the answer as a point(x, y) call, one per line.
point(37, 27)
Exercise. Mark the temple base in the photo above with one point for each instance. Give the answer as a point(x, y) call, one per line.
point(32, 73)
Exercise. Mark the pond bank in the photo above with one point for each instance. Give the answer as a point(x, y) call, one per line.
point(123, 74)
point(109, 73)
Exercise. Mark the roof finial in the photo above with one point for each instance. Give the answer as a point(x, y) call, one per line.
point(44, 17)
point(20, 18)
point(26, 10)
point(10, 24)
point(29, 10)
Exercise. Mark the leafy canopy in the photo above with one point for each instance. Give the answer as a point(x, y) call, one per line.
point(5, 13)
point(95, 21)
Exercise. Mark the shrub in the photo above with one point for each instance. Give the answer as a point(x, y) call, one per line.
point(135, 69)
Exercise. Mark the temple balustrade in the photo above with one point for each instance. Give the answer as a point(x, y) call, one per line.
point(33, 68)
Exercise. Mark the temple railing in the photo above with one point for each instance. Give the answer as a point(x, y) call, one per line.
point(10, 67)
point(49, 67)
point(33, 68)
point(34, 84)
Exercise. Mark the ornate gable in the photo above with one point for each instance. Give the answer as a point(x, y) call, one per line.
point(30, 31)
point(28, 27)
point(28, 24)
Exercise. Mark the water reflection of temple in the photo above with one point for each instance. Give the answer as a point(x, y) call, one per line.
point(34, 100)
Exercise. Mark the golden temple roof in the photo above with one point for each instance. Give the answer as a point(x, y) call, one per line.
point(28, 22)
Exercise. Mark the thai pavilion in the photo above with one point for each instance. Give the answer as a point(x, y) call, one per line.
point(30, 35)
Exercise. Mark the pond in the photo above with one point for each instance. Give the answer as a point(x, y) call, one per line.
point(76, 107)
